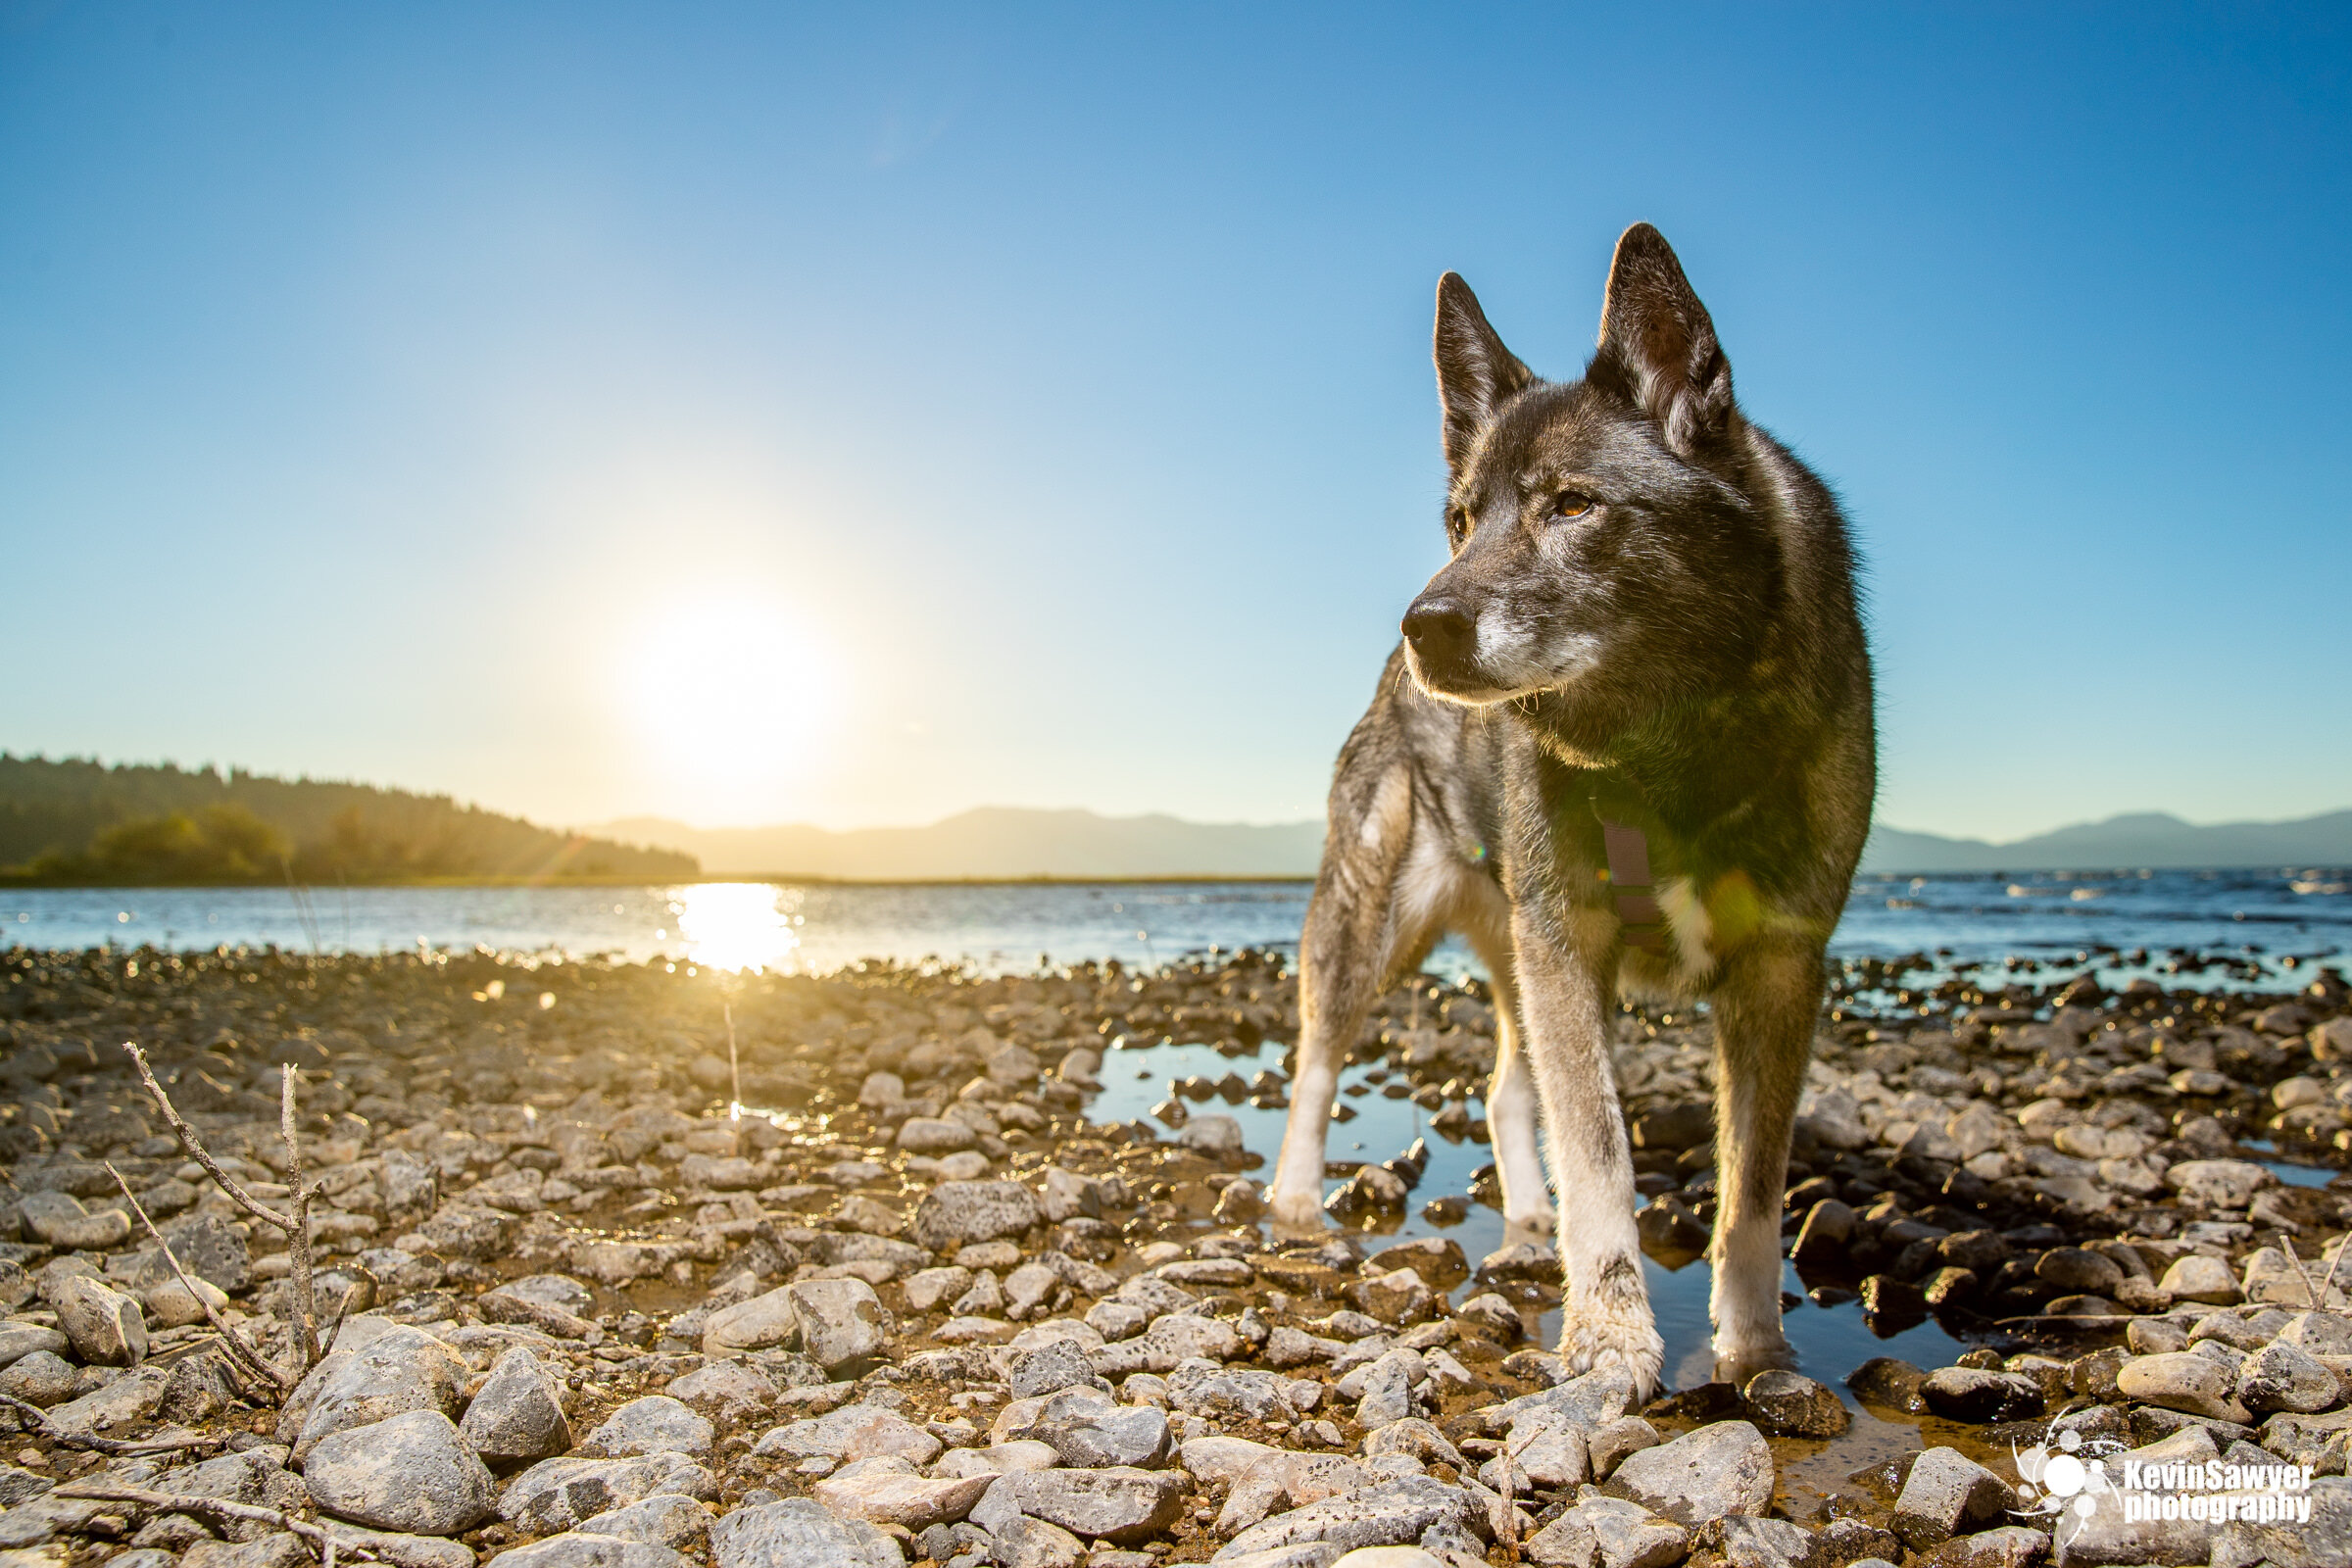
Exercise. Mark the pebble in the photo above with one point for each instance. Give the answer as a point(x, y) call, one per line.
point(1719, 1469)
point(581, 1549)
point(1945, 1494)
point(800, 1533)
point(653, 1424)
point(412, 1473)
point(1790, 1404)
point(105, 1327)
point(517, 1413)
point(555, 1494)
point(1120, 1504)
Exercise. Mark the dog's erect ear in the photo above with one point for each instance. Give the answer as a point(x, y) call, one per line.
point(1657, 333)
point(1476, 373)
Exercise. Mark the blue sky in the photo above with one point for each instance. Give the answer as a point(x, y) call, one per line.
point(858, 413)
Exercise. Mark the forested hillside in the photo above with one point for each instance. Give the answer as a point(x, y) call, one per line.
point(78, 821)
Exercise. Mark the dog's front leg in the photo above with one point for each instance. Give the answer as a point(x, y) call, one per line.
point(1563, 991)
point(1764, 1011)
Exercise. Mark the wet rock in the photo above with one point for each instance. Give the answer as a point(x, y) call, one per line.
point(1219, 1136)
point(517, 1413)
point(2078, 1269)
point(800, 1533)
point(1400, 1295)
point(1788, 1404)
point(1715, 1470)
point(1945, 1494)
point(105, 1325)
point(555, 1494)
point(955, 1214)
point(1977, 1393)
point(1827, 1229)
point(412, 1473)
point(653, 1424)
point(1120, 1504)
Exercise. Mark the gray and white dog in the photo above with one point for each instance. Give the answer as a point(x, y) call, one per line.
point(1634, 755)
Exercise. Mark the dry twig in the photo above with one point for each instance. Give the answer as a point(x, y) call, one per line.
point(321, 1540)
point(230, 1337)
point(76, 1440)
point(302, 1314)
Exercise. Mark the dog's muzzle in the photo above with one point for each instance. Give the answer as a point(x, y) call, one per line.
point(1444, 635)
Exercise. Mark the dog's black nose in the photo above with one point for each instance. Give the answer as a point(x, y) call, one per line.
point(1441, 632)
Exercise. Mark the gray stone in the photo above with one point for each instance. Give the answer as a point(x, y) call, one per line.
point(127, 1400)
point(2198, 1278)
point(754, 1325)
point(1610, 1443)
point(2326, 1542)
point(279, 1549)
point(853, 1431)
point(21, 1486)
point(798, 1533)
point(1980, 1393)
point(888, 1492)
point(106, 1326)
point(1789, 1404)
point(400, 1370)
point(1746, 1542)
point(2218, 1184)
point(726, 1391)
point(669, 1519)
point(555, 1494)
point(653, 1424)
point(41, 1378)
point(1204, 1388)
point(2285, 1377)
point(1219, 1136)
point(2184, 1380)
point(1088, 1432)
point(1715, 1470)
point(1120, 1504)
point(581, 1549)
point(1048, 1368)
point(842, 1321)
point(955, 1214)
point(930, 1287)
point(20, 1340)
point(560, 1292)
point(412, 1473)
point(518, 1411)
point(1945, 1494)
point(1389, 1513)
point(60, 1220)
point(2008, 1546)
point(1620, 1533)
point(1025, 1542)
point(931, 1135)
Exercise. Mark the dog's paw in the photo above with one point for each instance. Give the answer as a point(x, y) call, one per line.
point(1625, 1338)
point(1297, 1212)
point(1530, 1229)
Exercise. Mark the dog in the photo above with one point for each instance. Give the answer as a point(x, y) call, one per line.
point(1627, 747)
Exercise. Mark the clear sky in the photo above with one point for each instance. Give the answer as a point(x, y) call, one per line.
point(853, 414)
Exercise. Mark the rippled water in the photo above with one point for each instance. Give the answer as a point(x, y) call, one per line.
point(2171, 923)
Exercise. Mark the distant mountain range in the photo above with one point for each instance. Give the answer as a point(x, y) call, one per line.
point(2141, 840)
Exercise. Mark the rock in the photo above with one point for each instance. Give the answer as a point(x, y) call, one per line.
point(400, 1370)
point(1088, 1432)
point(43, 1378)
point(2008, 1546)
point(1400, 1295)
point(1979, 1394)
point(412, 1473)
point(842, 1321)
point(653, 1424)
point(2218, 1184)
point(2324, 1542)
point(1945, 1494)
point(1391, 1557)
point(1388, 1513)
point(1749, 1542)
point(469, 1231)
point(726, 1391)
point(1219, 1136)
point(764, 1321)
point(1120, 1504)
point(555, 1494)
point(105, 1325)
point(1620, 1533)
point(955, 1214)
point(517, 1413)
point(667, 1519)
point(60, 1220)
point(1045, 1368)
point(2285, 1377)
point(1025, 1542)
point(932, 1286)
point(798, 1533)
point(106, 1411)
point(1828, 1228)
point(1608, 1444)
point(2080, 1270)
point(1715, 1470)
point(2184, 1381)
point(396, 1548)
point(20, 1340)
point(581, 1549)
point(853, 1431)
point(170, 1305)
point(279, 1548)
point(888, 1492)
point(1788, 1404)
point(2195, 1277)
point(928, 1135)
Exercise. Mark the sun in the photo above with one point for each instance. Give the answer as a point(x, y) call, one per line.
point(730, 696)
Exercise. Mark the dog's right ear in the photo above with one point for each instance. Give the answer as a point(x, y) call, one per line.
point(1476, 373)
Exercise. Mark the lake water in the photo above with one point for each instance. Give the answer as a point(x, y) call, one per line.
point(2175, 924)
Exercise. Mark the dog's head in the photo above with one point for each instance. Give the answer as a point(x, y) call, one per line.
point(1603, 549)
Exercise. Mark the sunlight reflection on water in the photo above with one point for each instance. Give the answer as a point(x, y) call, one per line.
point(739, 925)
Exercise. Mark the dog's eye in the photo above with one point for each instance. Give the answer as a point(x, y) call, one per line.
point(1571, 503)
point(1458, 524)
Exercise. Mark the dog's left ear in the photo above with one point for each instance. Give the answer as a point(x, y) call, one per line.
point(1655, 332)
point(1476, 373)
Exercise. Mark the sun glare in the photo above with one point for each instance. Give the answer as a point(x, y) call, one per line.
point(731, 697)
point(736, 925)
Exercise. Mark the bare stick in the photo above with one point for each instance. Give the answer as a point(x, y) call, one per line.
point(230, 1337)
point(305, 1304)
point(201, 1154)
point(321, 1540)
point(74, 1440)
point(2343, 1244)
point(2310, 1297)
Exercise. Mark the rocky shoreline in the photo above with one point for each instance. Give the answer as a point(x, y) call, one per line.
point(919, 1307)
